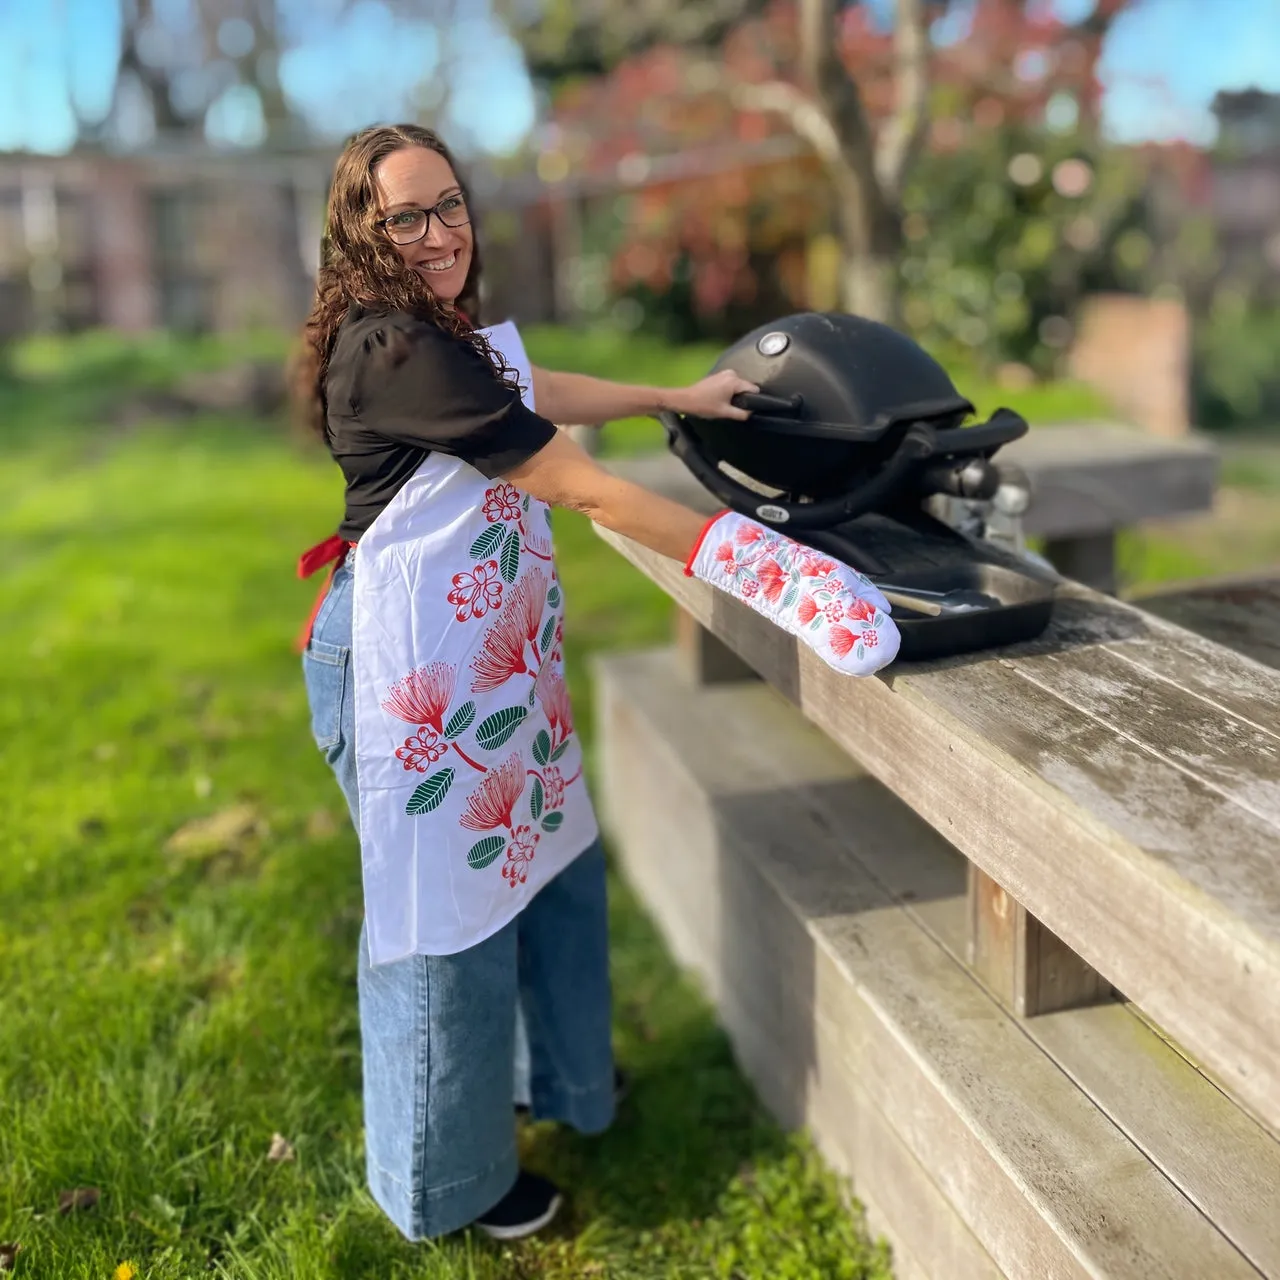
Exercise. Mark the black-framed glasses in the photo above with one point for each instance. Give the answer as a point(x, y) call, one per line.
point(410, 225)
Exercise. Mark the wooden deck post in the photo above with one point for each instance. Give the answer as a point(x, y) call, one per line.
point(1026, 967)
point(1090, 558)
point(703, 658)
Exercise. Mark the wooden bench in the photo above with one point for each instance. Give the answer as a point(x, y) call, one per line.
point(1241, 612)
point(1003, 931)
point(1089, 481)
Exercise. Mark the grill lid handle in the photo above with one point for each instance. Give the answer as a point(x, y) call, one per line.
point(916, 445)
point(770, 406)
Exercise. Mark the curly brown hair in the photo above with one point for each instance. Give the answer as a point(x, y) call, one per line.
point(359, 265)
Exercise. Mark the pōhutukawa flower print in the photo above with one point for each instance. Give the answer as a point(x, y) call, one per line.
point(491, 804)
point(502, 502)
point(519, 854)
point(727, 560)
point(772, 578)
point(422, 750)
point(553, 785)
point(512, 805)
point(528, 598)
point(834, 609)
point(423, 696)
point(814, 565)
point(553, 694)
point(516, 629)
point(502, 656)
point(476, 592)
point(472, 793)
point(861, 610)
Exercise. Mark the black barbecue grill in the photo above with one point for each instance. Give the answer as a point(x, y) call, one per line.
point(853, 428)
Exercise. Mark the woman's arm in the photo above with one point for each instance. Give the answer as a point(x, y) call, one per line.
point(571, 398)
point(563, 474)
point(847, 621)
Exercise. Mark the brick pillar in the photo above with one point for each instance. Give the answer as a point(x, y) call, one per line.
point(1136, 351)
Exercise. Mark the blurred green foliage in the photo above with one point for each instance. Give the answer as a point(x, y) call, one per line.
point(1004, 235)
point(1237, 361)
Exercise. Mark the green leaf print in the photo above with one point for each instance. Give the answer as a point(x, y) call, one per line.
point(552, 821)
point(542, 747)
point(536, 799)
point(553, 596)
point(461, 720)
point(487, 543)
point(525, 503)
point(511, 555)
point(859, 652)
point(548, 634)
point(429, 794)
point(789, 598)
point(560, 750)
point(494, 730)
point(483, 852)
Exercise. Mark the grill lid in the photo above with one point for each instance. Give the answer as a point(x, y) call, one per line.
point(844, 378)
point(849, 416)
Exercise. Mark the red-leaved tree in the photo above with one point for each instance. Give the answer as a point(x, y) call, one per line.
point(810, 118)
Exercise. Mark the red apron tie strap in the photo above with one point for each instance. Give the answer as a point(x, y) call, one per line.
point(332, 551)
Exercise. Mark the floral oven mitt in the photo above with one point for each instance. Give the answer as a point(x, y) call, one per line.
point(828, 606)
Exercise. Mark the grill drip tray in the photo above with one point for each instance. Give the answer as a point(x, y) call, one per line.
point(1009, 600)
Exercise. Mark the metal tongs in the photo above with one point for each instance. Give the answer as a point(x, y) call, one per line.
point(935, 603)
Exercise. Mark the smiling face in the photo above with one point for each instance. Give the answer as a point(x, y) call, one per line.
point(418, 178)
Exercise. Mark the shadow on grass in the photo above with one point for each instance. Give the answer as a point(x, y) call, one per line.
point(688, 1127)
point(690, 1122)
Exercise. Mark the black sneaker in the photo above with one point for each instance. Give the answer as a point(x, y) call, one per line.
point(621, 1087)
point(526, 1208)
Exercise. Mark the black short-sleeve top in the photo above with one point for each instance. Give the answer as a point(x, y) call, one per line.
point(398, 388)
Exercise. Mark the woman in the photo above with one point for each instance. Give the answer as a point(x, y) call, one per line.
point(435, 678)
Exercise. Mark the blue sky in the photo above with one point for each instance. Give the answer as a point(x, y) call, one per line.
point(349, 65)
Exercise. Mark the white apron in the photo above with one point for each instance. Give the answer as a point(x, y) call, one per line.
point(470, 774)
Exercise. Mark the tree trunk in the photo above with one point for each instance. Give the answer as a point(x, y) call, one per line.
point(870, 239)
point(866, 174)
point(869, 287)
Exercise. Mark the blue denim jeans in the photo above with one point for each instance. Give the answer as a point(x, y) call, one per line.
point(450, 1043)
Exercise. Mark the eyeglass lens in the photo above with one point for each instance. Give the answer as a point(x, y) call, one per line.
point(412, 224)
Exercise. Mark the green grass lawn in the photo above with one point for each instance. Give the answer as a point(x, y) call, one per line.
point(167, 1007)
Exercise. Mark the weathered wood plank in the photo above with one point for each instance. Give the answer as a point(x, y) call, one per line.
point(1229, 753)
point(750, 868)
point(1165, 886)
point(903, 1204)
point(1095, 478)
point(1221, 855)
point(1218, 674)
point(1242, 613)
point(1220, 1158)
point(1211, 1149)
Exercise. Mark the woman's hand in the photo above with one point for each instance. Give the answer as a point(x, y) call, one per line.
point(712, 397)
point(574, 397)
